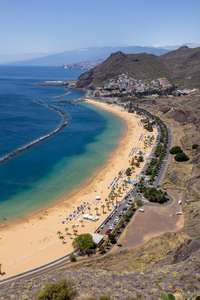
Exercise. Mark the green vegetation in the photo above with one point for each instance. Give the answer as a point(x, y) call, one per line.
point(151, 193)
point(195, 146)
point(175, 150)
point(181, 157)
point(139, 202)
point(84, 243)
point(72, 257)
point(112, 237)
point(170, 296)
point(62, 290)
point(128, 172)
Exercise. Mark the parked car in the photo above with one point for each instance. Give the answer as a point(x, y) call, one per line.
point(164, 188)
point(179, 202)
point(179, 213)
point(98, 231)
point(119, 245)
point(101, 226)
point(141, 209)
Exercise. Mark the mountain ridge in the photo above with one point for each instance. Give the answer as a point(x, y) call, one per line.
point(84, 54)
point(181, 66)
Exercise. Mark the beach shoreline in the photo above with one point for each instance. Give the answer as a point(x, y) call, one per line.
point(37, 235)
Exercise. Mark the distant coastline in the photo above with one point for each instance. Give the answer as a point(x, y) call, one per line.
point(64, 123)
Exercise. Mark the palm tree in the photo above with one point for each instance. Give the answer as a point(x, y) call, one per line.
point(62, 238)
point(112, 198)
point(78, 208)
point(0, 268)
point(103, 206)
point(106, 200)
point(82, 209)
point(73, 226)
point(108, 204)
point(123, 185)
point(59, 233)
point(116, 195)
point(66, 229)
point(96, 208)
point(81, 221)
point(89, 208)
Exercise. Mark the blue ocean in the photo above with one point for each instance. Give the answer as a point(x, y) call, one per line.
point(40, 175)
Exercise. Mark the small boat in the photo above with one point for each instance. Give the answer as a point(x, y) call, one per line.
point(4, 219)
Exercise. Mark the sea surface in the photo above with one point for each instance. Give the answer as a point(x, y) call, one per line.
point(38, 176)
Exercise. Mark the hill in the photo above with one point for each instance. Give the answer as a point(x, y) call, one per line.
point(86, 54)
point(181, 67)
point(141, 66)
point(184, 66)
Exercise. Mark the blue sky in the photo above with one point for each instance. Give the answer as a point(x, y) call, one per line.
point(38, 26)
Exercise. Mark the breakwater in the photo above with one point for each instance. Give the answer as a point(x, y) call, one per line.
point(61, 95)
point(31, 144)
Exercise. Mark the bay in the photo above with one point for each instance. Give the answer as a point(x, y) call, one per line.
point(53, 168)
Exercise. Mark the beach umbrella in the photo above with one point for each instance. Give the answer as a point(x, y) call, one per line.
point(74, 216)
point(66, 218)
point(87, 202)
point(84, 202)
point(63, 222)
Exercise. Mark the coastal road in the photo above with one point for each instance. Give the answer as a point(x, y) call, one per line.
point(59, 263)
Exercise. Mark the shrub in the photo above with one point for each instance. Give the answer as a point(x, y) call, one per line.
point(194, 146)
point(72, 257)
point(139, 202)
point(104, 298)
point(175, 150)
point(62, 290)
point(181, 157)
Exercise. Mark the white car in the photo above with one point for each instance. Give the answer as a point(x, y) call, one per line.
point(179, 213)
point(179, 202)
point(141, 209)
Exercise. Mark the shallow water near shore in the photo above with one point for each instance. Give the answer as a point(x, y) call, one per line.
point(64, 162)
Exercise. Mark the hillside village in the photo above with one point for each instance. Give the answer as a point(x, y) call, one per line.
point(125, 84)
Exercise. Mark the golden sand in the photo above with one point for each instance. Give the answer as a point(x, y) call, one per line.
point(28, 244)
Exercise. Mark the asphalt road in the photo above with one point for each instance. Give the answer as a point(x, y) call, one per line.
point(59, 263)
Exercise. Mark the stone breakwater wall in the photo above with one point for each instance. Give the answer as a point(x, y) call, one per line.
point(31, 144)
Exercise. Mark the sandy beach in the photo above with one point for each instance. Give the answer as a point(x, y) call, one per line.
point(35, 241)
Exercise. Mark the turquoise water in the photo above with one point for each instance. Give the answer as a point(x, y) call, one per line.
point(53, 168)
